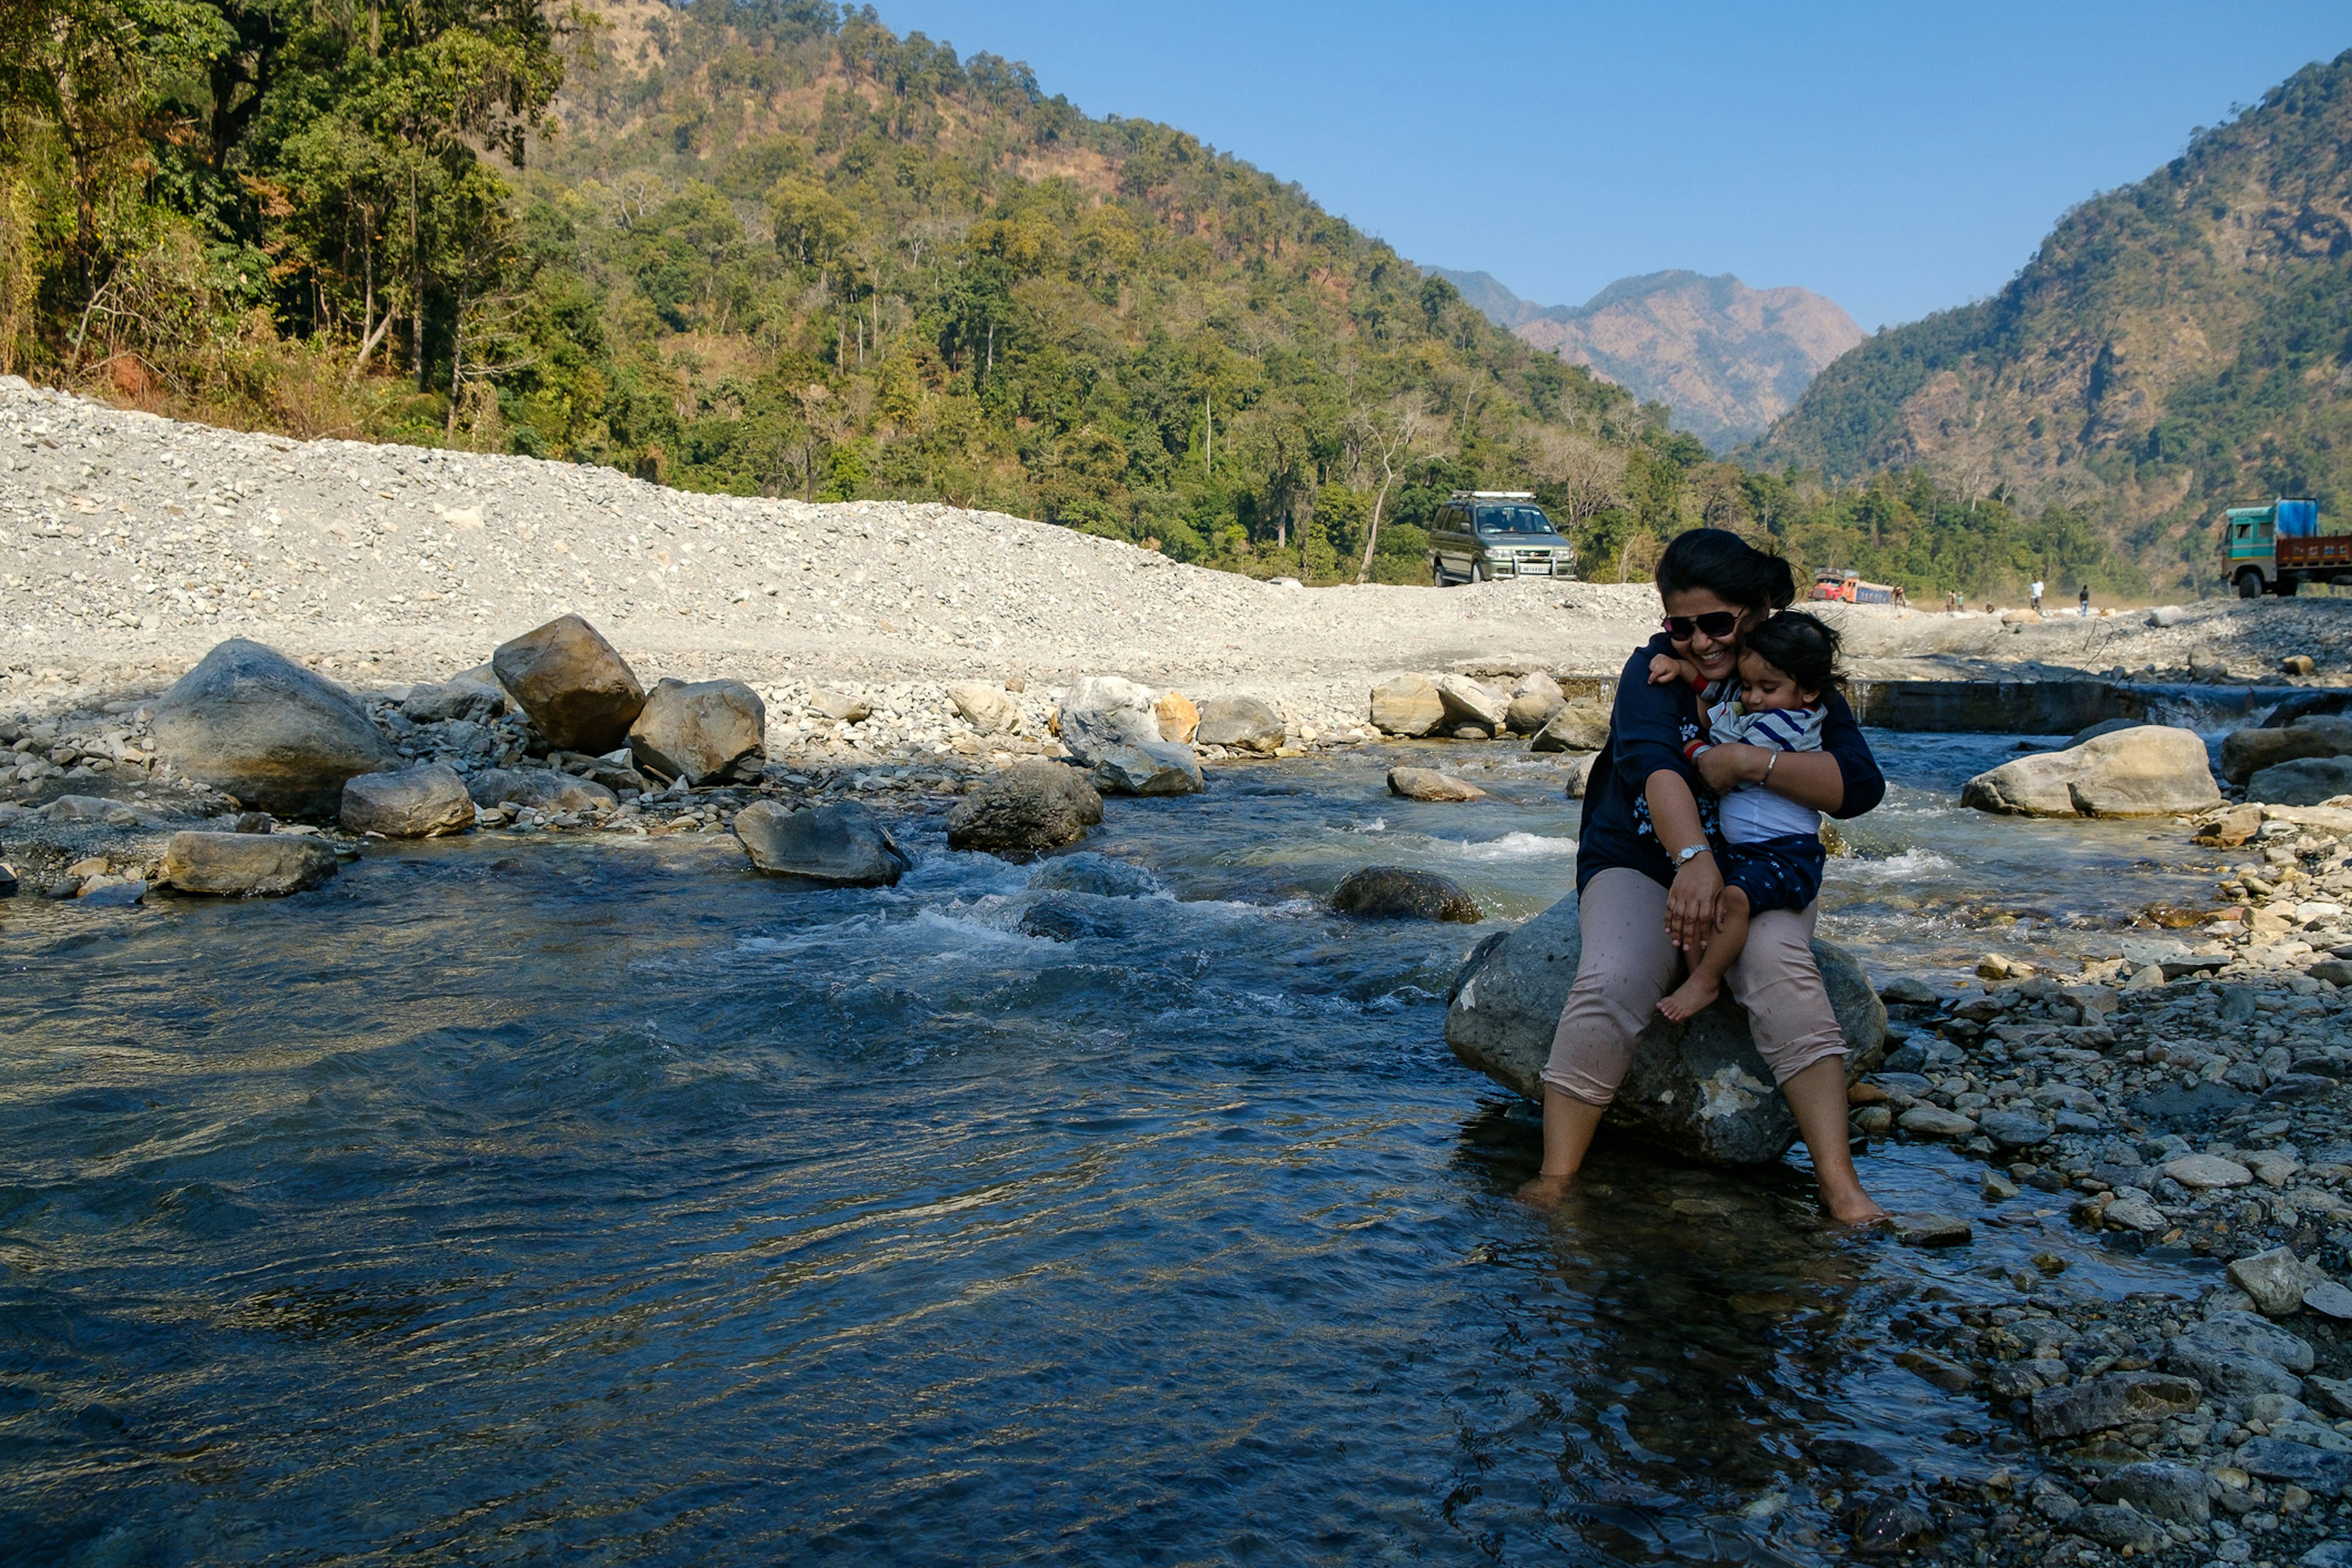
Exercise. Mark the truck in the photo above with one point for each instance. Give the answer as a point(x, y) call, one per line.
point(1829, 584)
point(2275, 547)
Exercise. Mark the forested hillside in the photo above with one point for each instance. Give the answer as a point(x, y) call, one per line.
point(2172, 346)
point(777, 249)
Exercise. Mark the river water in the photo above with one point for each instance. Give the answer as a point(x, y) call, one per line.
point(595, 1201)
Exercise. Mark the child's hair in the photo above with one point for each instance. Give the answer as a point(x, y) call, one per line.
point(1801, 646)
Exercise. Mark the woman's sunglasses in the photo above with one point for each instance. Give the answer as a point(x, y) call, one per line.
point(1717, 624)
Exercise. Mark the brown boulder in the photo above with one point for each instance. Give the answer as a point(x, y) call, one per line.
point(1428, 783)
point(1025, 808)
point(245, 865)
point(423, 802)
point(581, 694)
point(704, 731)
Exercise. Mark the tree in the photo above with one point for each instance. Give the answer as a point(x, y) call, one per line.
point(1390, 437)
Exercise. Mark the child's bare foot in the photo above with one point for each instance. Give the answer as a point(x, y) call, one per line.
point(1689, 999)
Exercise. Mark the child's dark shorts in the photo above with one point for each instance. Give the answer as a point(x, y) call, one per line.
point(1774, 873)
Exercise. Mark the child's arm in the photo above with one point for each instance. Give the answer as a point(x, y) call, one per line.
point(1665, 669)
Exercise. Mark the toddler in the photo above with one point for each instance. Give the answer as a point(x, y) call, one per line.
point(1772, 856)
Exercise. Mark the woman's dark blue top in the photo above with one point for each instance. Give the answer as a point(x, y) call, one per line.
point(1648, 728)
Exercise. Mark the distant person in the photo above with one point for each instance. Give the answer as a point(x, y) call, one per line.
point(2082, 602)
point(1952, 604)
point(2037, 596)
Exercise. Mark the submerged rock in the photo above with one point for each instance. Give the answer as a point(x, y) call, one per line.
point(1086, 872)
point(1025, 808)
point(838, 846)
point(415, 803)
point(1392, 893)
point(704, 731)
point(581, 694)
point(245, 865)
point(1698, 1089)
point(2149, 770)
point(252, 722)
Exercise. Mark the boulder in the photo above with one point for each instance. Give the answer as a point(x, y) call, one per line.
point(2256, 1336)
point(2118, 1525)
point(245, 865)
point(2160, 1489)
point(2232, 827)
point(1241, 722)
point(423, 802)
point(612, 772)
point(2119, 1399)
point(1534, 701)
point(1698, 1089)
point(462, 697)
point(541, 789)
point(838, 846)
point(703, 731)
point(1179, 720)
point(2245, 752)
point(1027, 807)
point(251, 721)
point(1576, 773)
point(840, 706)
point(2226, 1371)
point(1407, 706)
point(1466, 701)
point(985, 706)
point(581, 694)
point(2276, 1280)
point(1392, 893)
point(2313, 1469)
point(1112, 727)
point(2149, 770)
point(1579, 726)
point(2308, 781)
point(1428, 783)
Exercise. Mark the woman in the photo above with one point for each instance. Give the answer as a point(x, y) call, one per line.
point(1647, 881)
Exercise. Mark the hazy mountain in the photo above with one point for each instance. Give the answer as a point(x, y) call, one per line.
point(1728, 359)
point(2172, 345)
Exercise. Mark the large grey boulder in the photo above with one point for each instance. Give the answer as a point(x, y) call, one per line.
point(581, 694)
point(1698, 1090)
point(2308, 781)
point(1240, 721)
point(2245, 752)
point(245, 865)
point(423, 802)
point(1534, 701)
point(1580, 726)
point(251, 721)
point(1111, 726)
point(838, 846)
point(1407, 706)
point(1026, 809)
point(703, 731)
point(541, 789)
point(2150, 770)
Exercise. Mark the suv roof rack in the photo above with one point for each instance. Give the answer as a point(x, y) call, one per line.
point(1492, 495)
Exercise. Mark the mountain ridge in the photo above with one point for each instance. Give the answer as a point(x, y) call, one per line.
point(2171, 344)
point(1726, 357)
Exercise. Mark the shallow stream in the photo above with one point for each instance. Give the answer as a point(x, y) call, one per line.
point(593, 1200)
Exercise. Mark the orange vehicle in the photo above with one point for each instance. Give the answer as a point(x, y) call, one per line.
point(1847, 587)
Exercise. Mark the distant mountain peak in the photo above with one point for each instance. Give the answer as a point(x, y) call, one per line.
point(1728, 359)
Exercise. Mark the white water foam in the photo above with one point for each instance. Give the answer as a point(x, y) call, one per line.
point(1912, 862)
point(1519, 846)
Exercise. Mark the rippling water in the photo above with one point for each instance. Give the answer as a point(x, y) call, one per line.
point(570, 1199)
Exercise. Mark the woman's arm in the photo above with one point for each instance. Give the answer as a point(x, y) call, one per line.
point(1695, 901)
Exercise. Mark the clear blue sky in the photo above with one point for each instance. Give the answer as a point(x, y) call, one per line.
point(1899, 158)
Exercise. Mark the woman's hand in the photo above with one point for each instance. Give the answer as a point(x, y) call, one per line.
point(1726, 767)
point(1694, 904)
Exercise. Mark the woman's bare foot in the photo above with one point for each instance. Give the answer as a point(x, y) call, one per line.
point(1856, 1208)
point(1689, 999)
point(1546, 1193)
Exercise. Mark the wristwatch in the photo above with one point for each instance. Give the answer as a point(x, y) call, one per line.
point(1690, 854)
